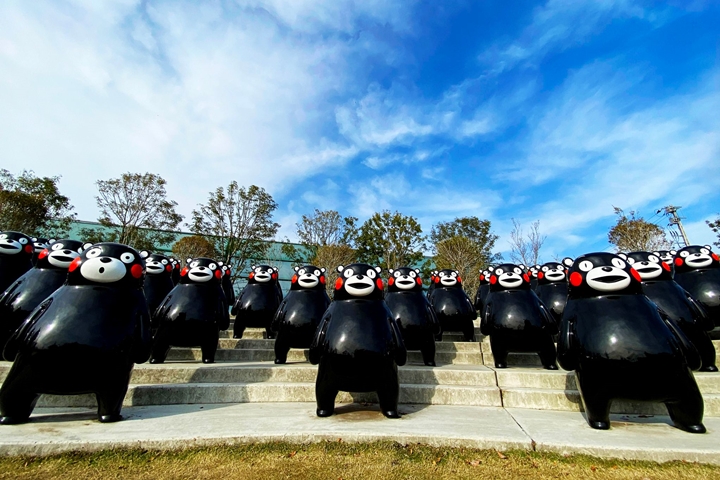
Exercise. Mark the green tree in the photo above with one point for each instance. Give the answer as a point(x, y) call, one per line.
point(34, 205)
point(322, 228)
point(464, 244)
point(238, 221)
point(192, 247)
point(135, 211)
point(525, 249)
point(633, 233)
point(389, 240)
point(715, 227)
point(330, 256)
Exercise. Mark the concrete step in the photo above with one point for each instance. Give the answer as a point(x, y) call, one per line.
point(259, 344)
point(297, 355)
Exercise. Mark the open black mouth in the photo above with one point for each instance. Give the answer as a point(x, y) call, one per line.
point(359, 286)
point(9, 247)
point(610, 279)
point(63, 258)
point(201, 274)
point(306, 280)
point(646, 269)
point(512, 280)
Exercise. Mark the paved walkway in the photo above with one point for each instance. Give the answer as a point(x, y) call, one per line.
point(54, 430)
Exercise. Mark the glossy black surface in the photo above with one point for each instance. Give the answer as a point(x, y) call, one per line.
point(84, 338)
point(552, 287)
point(452, 306)
point(28, 291)
point(158, 282)
point(482, 292)
point(697, 270)
point(300, 312)
point(193, 313)
point(412, 312)
point(358, 344)
point(176, 271)
point(515, 319)
point(256, 305)
point(227, 285)
point(16, 252)
point(620, 346)
point(39, 244)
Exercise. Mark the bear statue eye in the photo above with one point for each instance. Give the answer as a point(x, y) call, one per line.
point(301, 271)
point(3, 236)
point(317, 273)
point(164, 262)
point(396, 274)
point(585, 266)
point(684, 253)
point(23, 241)
point(705, 251)
point(194, 264)
point(93, 252)
point(127, 257)
point(617, 262)
point(212, 266)
point(653, 259)
point(630, 261)
point(499, 271)
point(371, 273)
point(454, 274)
point(413, 275)
point(348, 273)
point(57, 246)
point(517, 270)
point(545, 269)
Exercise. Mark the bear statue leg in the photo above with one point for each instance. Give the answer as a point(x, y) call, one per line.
point(325, 392)
point(438, 337)
point(110, 399)
point(209, 345)
point(388, 392)
point(469, 331)
point(499, 351)
point(161, 346)
point(269, 333)
point(282, 348)
point(428, 352)
point(17, 398)
point(706, 349)
point(548, 354)
point(687, 411)
point(238, 329)
point(596, 401)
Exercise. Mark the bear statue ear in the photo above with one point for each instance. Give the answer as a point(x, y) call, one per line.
point(622, 255)
point(567, 261)
point(276, 269)
point(673, 252)
point(86, 245)
point(33, 239)
point(522, 266)
point(322, 269)
point(52, 240)
point(188, 260)
point(220, 263)
point(296, 268)
point(340, 268)
point(390, 271)
point(417, 270)
point(708, 247)
point(378, 269)
point(144, 254)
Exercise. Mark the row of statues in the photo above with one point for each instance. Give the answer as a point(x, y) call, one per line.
point(631, 326)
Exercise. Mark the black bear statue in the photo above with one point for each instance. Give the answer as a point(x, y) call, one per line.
point(158, 281)
point(482, 292)
point(358, 345)
point(193, 313)
point(39, 244)
point(453, 307)
point(515, 318)
point(697, 270)
point(16, 253)
point(256, 305)
point(412, 312)
point(552, 286)
point(84, 338)
point(622, 347)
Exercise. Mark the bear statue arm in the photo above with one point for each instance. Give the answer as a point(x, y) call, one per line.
point(9, 295)
point(692, 357)
point(238, 302)
point(400, 350)
point(566, 347)
point(704, 321)
point(223, 315)
point(485, 319)
point(469, 302)
point(279, 316)
point(549, 322)
point(162, 309)
point(143, 334)
point(432, 317)
point(317, 346)
point(18, 338)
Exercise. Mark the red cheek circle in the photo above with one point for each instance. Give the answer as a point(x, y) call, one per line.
point(419, 281)
point(75, 263)
point(274, 276)
point(44, 254)
point(679, 262)
point(293, 279)
point(168, 268)
point(541, 275)
point(338, 284)
point(228, 272)
point(526, 278)
point(715, 257)
point(380, 284)
point(635, 275)
point(252, 275)
point(493, 280)
point(322, 279)
point(437, 279)
point(184, 272)
point(137, 270)
point(391, 281)
point(666, 266)
point(459, 279)
point(29, 249)
point(576, 279)
point(218, 274)
point(482, 277)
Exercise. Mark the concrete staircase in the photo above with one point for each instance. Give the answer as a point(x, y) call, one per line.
point(244, 372)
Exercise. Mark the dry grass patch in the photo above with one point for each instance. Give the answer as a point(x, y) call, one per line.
point(337, 460)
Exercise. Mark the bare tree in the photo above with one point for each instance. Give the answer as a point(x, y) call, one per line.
point(192, 247)
point(715, 227)
point(465, 256)
point(633, 233)
point(525, 249)
point(135, 211)
point(330, 256)
point(320, 229)
point(238, 221)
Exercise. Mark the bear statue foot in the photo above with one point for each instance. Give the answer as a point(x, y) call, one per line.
point(324, 413)
point(550, 367)
point(600, 425)
point(391, 413)
point(8, 420)
point(280, 361)
point(270, 336)
point(236, 336)
point(471, 339)
point(500, 365)
point(430, 364)
point(156, 360)
point(208, 360)
point(115, 417)
point(709, 368)
point(699, 428)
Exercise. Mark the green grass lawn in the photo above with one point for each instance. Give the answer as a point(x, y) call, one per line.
point(337, 460)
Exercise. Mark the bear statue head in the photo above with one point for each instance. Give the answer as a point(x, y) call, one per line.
point(109, 264)
point(404, 279)
point(360, 281)
point(602, 274)
point(308, 277)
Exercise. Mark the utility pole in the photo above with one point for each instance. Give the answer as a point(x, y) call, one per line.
point(671, 212)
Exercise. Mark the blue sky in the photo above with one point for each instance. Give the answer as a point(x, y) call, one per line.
point(555, 110)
